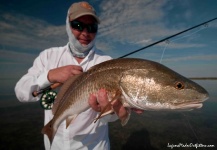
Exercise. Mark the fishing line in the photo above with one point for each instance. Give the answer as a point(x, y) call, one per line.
point(189, 125)
point(167, 38)
point(167, 42)
point(200, 29)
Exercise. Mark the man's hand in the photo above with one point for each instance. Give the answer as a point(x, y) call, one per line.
point(61, 74)
point(100, 100)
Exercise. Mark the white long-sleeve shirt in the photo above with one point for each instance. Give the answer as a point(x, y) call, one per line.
point(82, 133)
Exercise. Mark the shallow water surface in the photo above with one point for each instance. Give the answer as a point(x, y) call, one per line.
point(164, 129)
point(21, 125)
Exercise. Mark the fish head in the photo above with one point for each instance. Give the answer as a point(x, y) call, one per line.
point(159, 87)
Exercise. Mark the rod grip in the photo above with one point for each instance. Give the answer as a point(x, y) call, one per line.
point(50, 87)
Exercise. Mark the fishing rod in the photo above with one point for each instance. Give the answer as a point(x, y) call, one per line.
point(167, 38)
point(46, 91)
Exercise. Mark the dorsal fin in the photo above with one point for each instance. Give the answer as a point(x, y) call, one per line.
point(62, 92)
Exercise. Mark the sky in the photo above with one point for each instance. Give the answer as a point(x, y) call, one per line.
point(27, 27)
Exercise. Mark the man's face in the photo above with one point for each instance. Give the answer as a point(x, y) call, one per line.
point(84, 37)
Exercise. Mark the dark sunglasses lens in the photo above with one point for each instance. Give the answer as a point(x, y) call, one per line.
point(77, 25)
point(91, 28)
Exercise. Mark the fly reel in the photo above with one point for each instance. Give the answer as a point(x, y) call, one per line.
point(47, 99)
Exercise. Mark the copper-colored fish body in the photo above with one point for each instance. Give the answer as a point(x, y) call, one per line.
point(143, 84)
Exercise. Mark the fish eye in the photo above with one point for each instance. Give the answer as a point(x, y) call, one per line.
point(179, 85)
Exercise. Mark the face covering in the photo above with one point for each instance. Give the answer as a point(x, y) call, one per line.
point(77, 49)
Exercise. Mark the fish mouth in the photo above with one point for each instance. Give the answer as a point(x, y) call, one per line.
point(189, 105)
point(168, 106)
point(193, 104)
point(186, 105)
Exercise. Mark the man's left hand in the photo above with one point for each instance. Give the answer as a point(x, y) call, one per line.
point(100, 100)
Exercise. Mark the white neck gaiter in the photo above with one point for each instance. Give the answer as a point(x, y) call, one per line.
point(77, 49)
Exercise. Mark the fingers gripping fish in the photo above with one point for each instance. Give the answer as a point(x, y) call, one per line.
point(138, 83)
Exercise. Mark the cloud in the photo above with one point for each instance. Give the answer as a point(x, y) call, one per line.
point(213, 24)
point(131, 21)
point(173, 45)
point(143, 22)
point(24, 32)
point(192, 58)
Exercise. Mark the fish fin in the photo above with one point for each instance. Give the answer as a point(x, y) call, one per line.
point(104, 114)
point(111, 111)
point(108, 109)
point(49, 131)
point(62, 92)
point(70, 119)
point(125, 120)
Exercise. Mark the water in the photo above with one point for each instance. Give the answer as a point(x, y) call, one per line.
point(160, 129)
point(21, 125)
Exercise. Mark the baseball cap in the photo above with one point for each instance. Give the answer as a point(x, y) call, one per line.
point(79, 9)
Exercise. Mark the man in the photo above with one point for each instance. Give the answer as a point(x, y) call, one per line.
point(57, 65)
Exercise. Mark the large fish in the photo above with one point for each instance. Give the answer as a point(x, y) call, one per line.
point(139, 83)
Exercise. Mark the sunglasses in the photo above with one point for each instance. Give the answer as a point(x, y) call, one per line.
point(77, 25)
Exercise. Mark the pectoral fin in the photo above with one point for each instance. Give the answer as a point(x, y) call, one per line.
point(108, 109)
point(70, 120)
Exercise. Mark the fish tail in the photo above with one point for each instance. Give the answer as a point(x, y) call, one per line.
point(49, 131)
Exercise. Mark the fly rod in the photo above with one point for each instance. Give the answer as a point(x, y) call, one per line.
point(167, 38)
point(53, 86)
point(50, 87)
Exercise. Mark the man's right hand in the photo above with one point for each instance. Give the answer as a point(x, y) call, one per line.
point(61, 74)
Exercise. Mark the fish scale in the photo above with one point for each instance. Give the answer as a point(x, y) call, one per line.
point(143, 84)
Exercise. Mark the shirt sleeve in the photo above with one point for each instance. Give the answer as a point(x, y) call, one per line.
point(35, 79)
